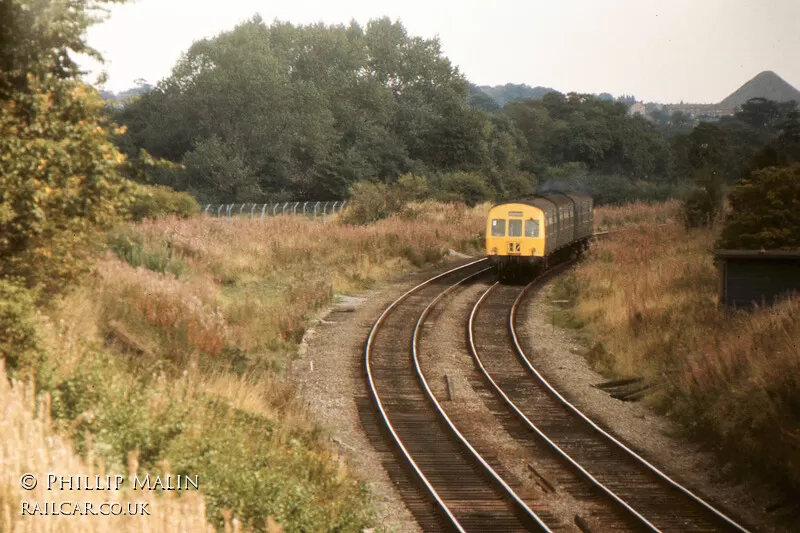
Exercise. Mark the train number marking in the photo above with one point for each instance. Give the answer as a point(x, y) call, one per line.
point(513, 247)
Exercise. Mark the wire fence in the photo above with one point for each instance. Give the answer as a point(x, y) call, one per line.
point(309, 208)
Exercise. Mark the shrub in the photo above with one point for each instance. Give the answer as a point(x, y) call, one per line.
point(408, 188)
point(368, 203)
point(59, 181)
point(764, 211)
point(131, 248)
point(467, 187)
point(153, 201)
point(17, 324)
point(704, 202)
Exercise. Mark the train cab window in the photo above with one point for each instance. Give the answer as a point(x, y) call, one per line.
point(531, 228)
point(498, 227)
point(515, 228)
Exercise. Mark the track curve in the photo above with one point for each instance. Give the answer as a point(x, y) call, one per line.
point(466, 495)
point(650, 497)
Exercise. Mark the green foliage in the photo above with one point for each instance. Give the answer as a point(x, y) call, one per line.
point(368, 202)
point(764, 211)
point(409, 188)
point(466, 187)
point(59, 181)
point(18, 337)
point(703, 203)
point(371, 201)
point(580, 128)
point(59, 174)
point(306, 111)
point(129, 246)
point(246, 462)
point(39, 38)
point(158, 201)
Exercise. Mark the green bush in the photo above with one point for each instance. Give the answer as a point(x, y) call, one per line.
point(130, 247)
point(18, 338)
point(369, 202)
point(703, 203)
point(466, 187)
point(764, 211)
point(408, 188)
point(153, 201)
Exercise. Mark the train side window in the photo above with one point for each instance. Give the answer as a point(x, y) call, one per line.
point(498, 227)
point(531, 228)
point(515, 228)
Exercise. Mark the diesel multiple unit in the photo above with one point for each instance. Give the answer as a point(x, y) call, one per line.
point(529, 233)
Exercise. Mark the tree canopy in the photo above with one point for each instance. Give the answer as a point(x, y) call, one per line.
point(764, 211)
point(265, 111)
point(60, 174)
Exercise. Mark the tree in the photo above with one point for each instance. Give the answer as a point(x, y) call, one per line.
point(764, 211)
point(309, 110)
point(60, 176)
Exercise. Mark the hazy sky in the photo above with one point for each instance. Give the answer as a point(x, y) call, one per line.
point(658, 50)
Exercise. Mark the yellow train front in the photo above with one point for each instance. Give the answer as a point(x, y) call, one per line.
point(526, 235)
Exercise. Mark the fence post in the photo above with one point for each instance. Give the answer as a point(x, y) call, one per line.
point(229, 211)
point(316, 205)
point(219, 209)
point(262, 211)
point(294, 211)
point(205, 211)
point(342, 206)
point(333, 209)
point(304, 208)
point(274, 209)
point(283, 211)
point(251, 211)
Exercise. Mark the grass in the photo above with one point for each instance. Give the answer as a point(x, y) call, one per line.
point(615, 217)
point(648, 299)
point(30, 444)
point(173, 348)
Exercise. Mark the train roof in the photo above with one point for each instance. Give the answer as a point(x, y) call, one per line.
point(548, 201)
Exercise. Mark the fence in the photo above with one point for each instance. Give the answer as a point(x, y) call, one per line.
point(305, 208)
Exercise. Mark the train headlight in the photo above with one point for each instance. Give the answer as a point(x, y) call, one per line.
point(533, 251)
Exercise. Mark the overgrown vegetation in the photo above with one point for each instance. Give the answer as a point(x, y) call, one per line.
point(648, 298)
point(764, 211)
point(174, 349)
point(30, 444)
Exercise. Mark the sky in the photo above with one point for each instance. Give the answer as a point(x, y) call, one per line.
point(658, 50)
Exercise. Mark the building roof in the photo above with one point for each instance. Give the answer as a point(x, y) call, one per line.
point(757, 254)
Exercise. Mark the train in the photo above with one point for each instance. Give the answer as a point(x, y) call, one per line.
point(525, 236)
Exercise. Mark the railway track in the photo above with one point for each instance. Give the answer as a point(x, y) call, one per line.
point(648, 495)
point(467, 495)
point(451, 485)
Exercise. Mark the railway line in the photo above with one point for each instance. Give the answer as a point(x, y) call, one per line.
point(649, 496)
point(450, 480)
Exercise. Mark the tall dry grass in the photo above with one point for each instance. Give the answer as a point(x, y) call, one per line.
point(254, 284)
point(616, 216)
point(174, 347)
point(29, 444)
point(649, 299)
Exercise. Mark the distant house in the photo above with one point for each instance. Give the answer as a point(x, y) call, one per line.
point(637, 108)
point(700, 110)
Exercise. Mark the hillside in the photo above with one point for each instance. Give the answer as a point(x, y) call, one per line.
point(767, 85)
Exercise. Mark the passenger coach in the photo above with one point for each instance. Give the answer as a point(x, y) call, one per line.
point(528, 234)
